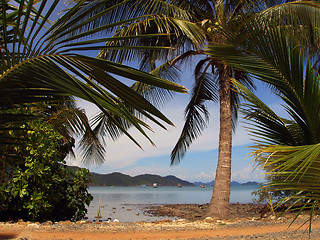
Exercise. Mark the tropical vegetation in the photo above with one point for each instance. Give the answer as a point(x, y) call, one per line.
point(36, 185)
point(286, 58)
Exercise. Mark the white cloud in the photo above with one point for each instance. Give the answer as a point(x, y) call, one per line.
point(74, 162)
point(182, 176)
point(205, 177)
point(124, 154)
point(246, 174)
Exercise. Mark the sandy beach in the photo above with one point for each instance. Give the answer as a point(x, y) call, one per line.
point(244, 223)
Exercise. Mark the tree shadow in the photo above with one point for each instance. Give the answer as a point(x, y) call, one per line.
point(5, 236)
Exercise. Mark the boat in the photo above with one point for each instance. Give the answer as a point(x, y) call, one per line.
point(179, 186)
point(155, 185)
point(203, 186)
point(143, 185)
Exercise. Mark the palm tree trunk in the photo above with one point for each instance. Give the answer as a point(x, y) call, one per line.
point(219, 204)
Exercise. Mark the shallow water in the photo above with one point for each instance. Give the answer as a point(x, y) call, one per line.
point(124, 203)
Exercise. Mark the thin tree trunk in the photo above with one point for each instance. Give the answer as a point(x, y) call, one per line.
point(219, 204)
point(3, 166)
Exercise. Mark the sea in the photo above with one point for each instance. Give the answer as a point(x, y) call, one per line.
point(126, 203)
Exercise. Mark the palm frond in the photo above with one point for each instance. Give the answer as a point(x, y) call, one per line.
point(196, 113)
point(171, 32)
point(264, 124)
point(43, 60)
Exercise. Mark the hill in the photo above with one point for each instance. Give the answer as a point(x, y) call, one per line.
point(119, 179)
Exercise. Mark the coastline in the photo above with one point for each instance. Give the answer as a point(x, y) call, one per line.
point(235, 227)
point(194, 212)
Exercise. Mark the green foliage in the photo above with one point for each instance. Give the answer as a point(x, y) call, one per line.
point(38, 187)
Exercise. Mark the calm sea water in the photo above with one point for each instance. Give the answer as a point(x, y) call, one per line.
point(125, 203)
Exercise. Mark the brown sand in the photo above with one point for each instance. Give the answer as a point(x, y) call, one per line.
point(153, 232)
point(242, 226)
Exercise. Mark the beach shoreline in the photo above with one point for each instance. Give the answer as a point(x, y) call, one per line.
point(194, 212)
point(235, 227)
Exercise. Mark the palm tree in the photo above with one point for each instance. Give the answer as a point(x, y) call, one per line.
point(42, 62)
point(286, 147)
point(191, 25)
point(213, 83)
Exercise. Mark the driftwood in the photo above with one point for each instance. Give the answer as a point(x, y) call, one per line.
point(264, 210)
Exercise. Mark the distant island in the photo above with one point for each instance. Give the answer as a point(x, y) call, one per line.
point(233, 183)
point(119, 179)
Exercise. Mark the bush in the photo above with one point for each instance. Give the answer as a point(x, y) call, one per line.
point(38, 186)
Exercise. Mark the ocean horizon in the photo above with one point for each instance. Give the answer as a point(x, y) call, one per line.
point(125, 203)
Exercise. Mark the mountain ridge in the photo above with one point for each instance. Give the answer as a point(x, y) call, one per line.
point(120, 179)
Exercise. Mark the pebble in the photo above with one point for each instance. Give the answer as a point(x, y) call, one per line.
point(48, 223)
point(272, 217)
point(23, 223)
point(220, 221)
point(209, 220)
point(180, 220)
point(162, 221)
point(34, 225)
point(81, 222)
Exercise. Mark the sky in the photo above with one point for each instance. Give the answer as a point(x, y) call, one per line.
point(199, 164)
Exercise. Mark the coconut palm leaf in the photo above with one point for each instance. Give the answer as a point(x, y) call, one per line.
point(272, 128)
point(170, 22)
point(147, 19)
point(45, 61)
point(196, 115)
point(73, 122)
point(205, 89)
point(280, 61)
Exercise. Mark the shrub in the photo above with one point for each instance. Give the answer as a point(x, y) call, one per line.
point(38, 186)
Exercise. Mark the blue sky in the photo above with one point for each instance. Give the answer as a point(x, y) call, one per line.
point(199, 163)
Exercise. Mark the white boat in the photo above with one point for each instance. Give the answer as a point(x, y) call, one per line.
point(155, 185)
